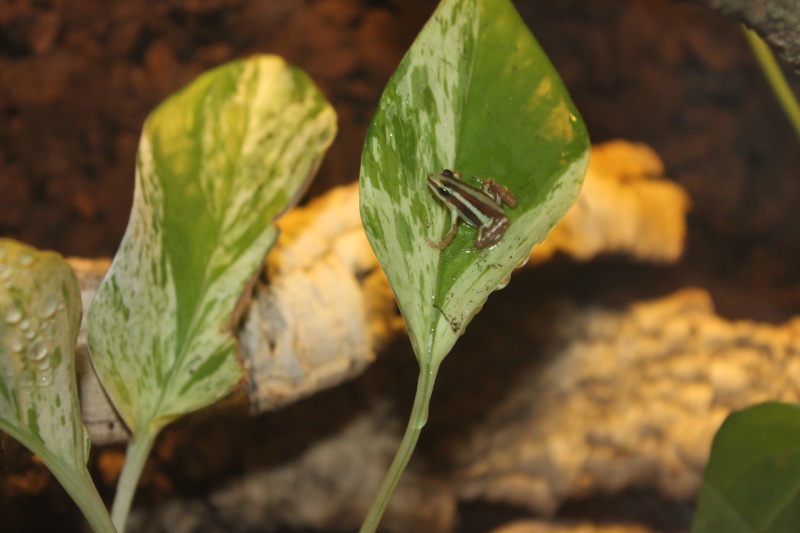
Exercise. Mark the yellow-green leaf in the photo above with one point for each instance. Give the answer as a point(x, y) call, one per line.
point(40, 314)
point(217, 162)
point(475, 93)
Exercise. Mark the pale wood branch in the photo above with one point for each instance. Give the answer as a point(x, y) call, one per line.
point(629, 398)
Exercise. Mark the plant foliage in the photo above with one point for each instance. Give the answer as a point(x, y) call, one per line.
point(40, 315)
point(474, 93)
point(752, 482)
point(217, 163)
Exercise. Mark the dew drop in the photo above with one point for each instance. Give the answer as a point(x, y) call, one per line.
point(43, 365)
point(38, 351)
point(29, 334)
point(25, 259)
point(15, 344)
point(24, 324)
point(47, 328)
point(5, 272)
point(523, 261)
point(421, 421)
point(13, 314)
point(194, 364)
point(503, 283)
point(44, 380)
point(49, 306)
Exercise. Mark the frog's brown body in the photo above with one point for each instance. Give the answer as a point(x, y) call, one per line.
point(480, 208)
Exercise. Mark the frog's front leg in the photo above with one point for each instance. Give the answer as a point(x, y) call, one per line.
point(498, 191)
point(448, 238)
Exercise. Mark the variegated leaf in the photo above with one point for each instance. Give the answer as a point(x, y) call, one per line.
point(474, 93)
point(40, 314)
point(217, 163)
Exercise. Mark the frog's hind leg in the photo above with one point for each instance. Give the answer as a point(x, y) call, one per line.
point(488, 236)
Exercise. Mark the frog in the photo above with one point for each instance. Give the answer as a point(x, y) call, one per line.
point(480, 208)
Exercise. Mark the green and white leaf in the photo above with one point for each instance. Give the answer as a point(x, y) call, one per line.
point(217, 162)
point(752, 482)
point(40, 315)
point(477, 94)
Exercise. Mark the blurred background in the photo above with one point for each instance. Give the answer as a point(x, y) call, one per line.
point(78, 77)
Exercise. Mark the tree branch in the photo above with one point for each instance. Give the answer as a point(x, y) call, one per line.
point(777, 21)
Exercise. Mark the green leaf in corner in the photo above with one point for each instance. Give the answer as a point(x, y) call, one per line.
point(217, 162)
point(40, 314)
point(475, 93)
point(752, 482)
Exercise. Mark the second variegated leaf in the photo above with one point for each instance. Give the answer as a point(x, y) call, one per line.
point(217, 162)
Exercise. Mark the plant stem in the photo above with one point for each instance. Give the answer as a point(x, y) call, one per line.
point(94, 510)
point(419, 416)
point(83, 493)
point(138, 449)
point(776, 79)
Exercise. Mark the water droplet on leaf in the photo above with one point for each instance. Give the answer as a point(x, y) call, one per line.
point(15, 344)
point(503, 283)
point(48, 307)
point(13, 313)
point(38, 350)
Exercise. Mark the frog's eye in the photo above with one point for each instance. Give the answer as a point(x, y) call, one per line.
point(443, 191)
point(448, 173)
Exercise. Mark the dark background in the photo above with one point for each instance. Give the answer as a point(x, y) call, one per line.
point(77, 79)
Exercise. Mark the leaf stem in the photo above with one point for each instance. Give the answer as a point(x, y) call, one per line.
point(776, 79)
point(138, 450)
point(419, 416)
point(82, 492)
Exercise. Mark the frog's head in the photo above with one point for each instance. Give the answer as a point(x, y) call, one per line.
point(443, 183)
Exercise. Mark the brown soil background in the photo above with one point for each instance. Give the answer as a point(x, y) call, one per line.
point(78, 78)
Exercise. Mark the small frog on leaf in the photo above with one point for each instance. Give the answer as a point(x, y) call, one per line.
point(480, 208)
